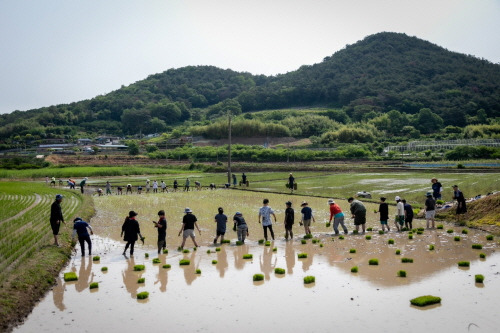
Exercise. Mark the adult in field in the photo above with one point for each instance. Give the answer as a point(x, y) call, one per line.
point(163, 186)
point(289, 220)
point(108, 188)
point(240, 226)
point(189, 222)
point(459, 196)
point(399, 221)
point(176, 185)
point(265, 213)
point(71, 184)
point(155, 186)
point(129, 189)
point(161, 226)
point(358, 212)
point(244, 179)
point(47, 180)
point(383, 210)
point(82, 184)
point(148, 185)
point(221, 221)
point(186, 185)
point(429, 209)
point(437, 189)
point(119, 190)
point(338, 217)
point(408, 215)
point(80, 228)
point(131, 231)
point(291, 181)
point(197, 184)
point(235, 181)
point(307, 217)
point(56, 217)
point(139, 189)
point(53, 181)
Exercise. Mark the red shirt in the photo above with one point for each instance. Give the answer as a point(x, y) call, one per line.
point(334, 210)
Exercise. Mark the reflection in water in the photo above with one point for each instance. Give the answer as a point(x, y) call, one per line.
point(130, 277)
point(190, 270)
point(58, 294)
point(162, 278)
point(239, 262)
point(85, 273)
point(222, 264)
point(307, 262)
point(266, 265)
point(290, 257)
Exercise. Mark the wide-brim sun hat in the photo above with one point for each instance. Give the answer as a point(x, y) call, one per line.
point(331, 201)
point(187, 210)
point(304, 203)
point(397, 198)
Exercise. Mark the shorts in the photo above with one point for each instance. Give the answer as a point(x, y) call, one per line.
point(55, 227)
point(289, 226)
point(409, 219)
point(188, 233)
point(383, 222)
point(430, 214)
point(400, 219)
point(359, 219)
point(307, 223)
point(221, 232)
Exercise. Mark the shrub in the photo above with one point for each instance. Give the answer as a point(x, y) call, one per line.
point(352, 251)
point(258, 277)
point(489, 237)
point(390, 241)
point(431, 247)
point(156, 261)
point(440, 226)
point(94, 285)
point(143, 295)
point(198, 271)
point(482, 255)
point(463, 263)
point(368, 237)
point(406, 260)
point(398, 252)
point(138, 268)
point(479, 278)
point(70, 276)
point(166, 266)
point(477, 246)
point(402, 273)
point(247, 256)
point(456, 238)
point(425, 300)
point(373, 262)
point(214, 262)
point(354, 269)
point(309, 279)
point(165, 251)
point(104, 269)
point(302, 255)
point(278, 270)
point(141, 280)
point(184, 262)
point(96, 258)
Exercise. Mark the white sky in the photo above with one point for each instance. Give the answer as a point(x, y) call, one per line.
point(62, 51)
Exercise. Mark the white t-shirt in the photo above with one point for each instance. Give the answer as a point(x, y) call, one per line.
point(400, 208)
point(266, 212)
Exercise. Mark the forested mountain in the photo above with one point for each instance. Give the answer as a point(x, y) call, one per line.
point(383, 72)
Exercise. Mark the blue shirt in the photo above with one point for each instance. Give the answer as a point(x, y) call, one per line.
point(307, 212)
point(81, 228)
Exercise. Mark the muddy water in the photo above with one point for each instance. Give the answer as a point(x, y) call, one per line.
point(224, 297)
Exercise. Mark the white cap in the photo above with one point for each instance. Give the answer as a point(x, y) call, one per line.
point(397, 198)
point(330, 201)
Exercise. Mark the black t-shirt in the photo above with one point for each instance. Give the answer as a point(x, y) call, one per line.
point(289, 215)
point(163, 230)
point(189, 220)
point(239, 220)
point(430, 204)
point(383, 208)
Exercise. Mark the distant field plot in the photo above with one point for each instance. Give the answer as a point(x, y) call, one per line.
point(24, 222)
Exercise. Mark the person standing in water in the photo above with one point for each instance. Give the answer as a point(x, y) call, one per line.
point(289, 220)
point(430, 210)
point(358, 211)
point(80, 228)
point(383, 210)
point(131, 230)
point(56, 217)
point(221, 221)
point(291, 181)
point(338, 217)
point(265, 213)
point(307, 216)
point(188, 223)
point(161, 226)
point(240, 226)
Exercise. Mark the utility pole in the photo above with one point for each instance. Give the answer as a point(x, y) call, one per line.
point(229, 149)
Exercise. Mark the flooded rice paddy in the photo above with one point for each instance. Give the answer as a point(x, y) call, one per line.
point(223, 297)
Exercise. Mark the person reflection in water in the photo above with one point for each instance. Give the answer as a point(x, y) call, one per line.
point(290, 257)
point(222, 264)
point(239, 262)
point(84, 275)
point(58, 294)
point(266, 264)
point(130, 277)
point(162, 278)
point(190, 271)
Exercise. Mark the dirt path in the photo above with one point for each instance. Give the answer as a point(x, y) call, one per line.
point(37, 201)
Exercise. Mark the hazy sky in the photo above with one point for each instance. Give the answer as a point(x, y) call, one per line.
point(54, 52)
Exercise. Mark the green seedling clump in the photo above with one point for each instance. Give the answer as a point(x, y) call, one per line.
point(217, 249)
point(450, 231)
point(431, 247)
point(261, 241)
point(390, 241)
point(247, 256)
point(268, 243)
point(185, 251)
point(477, 246)
point(195, 248)
point(239, 243)
point(456, 238)
point(328, 224)
point(165, 251)
point(184, 262)
point(139, 268)
point(321, 245)
point(315, 240)
point(368, 237)
point(303, 241)
point(373, 262)
point(278, 270)
point(275, 249)
point(214, 262)
point(70, 276)
point(354, 269)
point(440, 226)
point(465, 231)
point(341, 237)
point(143, 295)
point(156, 260)
point(198, 271)
point(406, 260)
point(482, 255)
point(208, 251)
point(96, 258)
point(226, 241)
point(398, 252)
point(479, 278)
point(425, 300)
point(402, 273)
point(258, 277)
point(410, 236)
point(302, 255)
point(420, 229)
point(355, 232)
point(309, 279)
point(419, 232)
point(104, 269)
point(352, 251)
point(308, 236)
point(489, 237)
point(463, 263)
point(146, 255)
point(166, 266)
point(369, 229)
point(381, 232)
point(94, 285)
point(179, 248)
point(141, 280)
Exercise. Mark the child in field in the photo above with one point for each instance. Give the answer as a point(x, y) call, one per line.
point(399, 221)
point(408, 215)
point(188, 223)
point(289, 220)
point(383, 210)
point(129, 189)
point(240, 226)
point(161, 226)
point(221, 221)
point(265, 213)
point(307, 216)
point(430, 210)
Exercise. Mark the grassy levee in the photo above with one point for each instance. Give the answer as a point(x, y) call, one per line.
point(29, 264)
